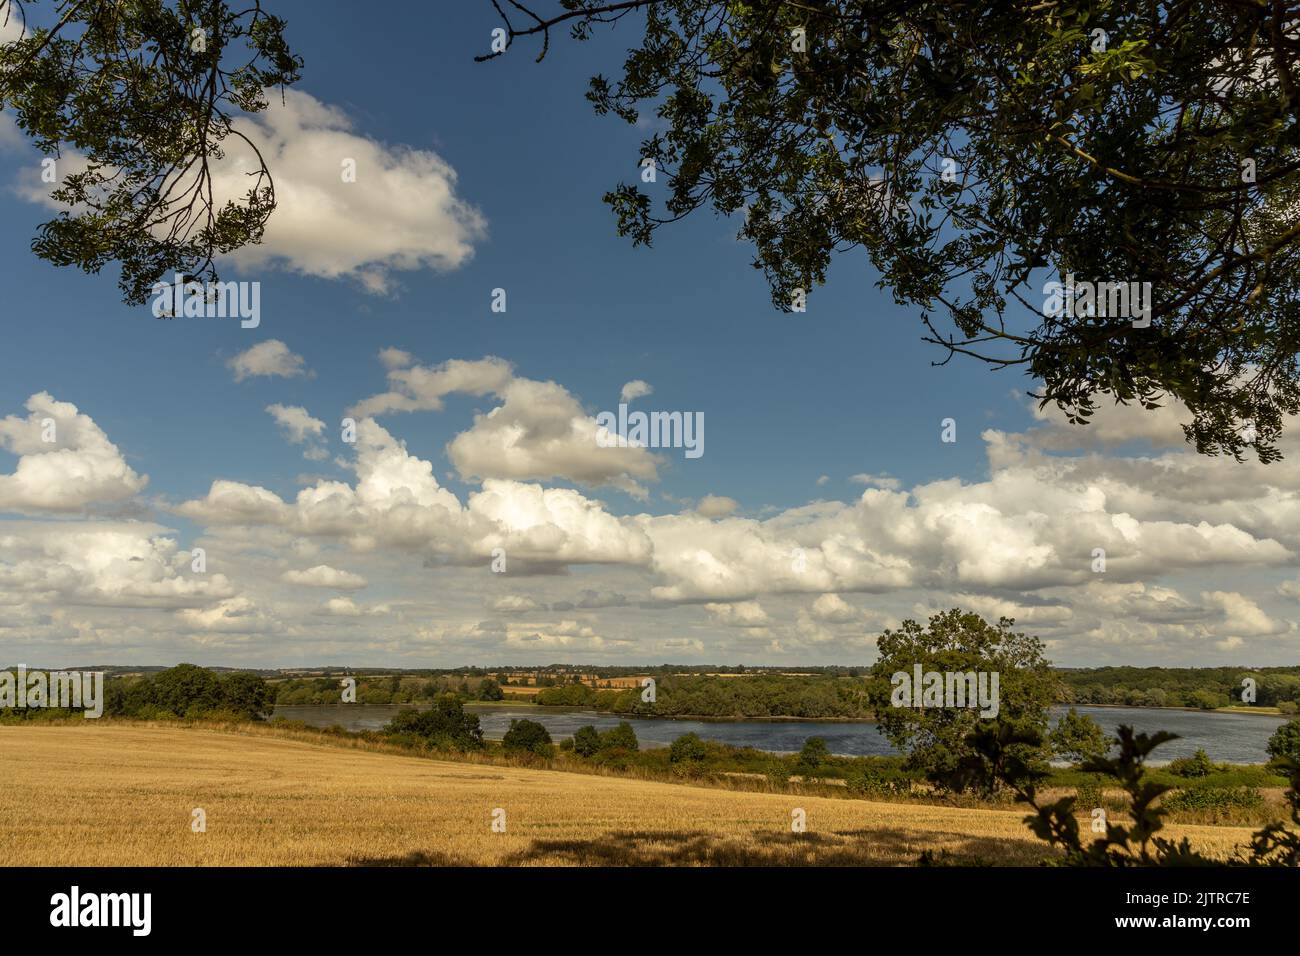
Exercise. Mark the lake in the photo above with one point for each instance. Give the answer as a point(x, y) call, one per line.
point(1227, 738)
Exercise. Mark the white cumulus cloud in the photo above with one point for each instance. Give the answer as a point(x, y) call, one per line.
point(65, 461)
point(269, 359)
point(402, 212)
point(324, 576)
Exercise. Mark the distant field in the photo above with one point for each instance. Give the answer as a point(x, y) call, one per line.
point(123, 795)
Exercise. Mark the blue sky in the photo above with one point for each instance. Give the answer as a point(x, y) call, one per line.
point(846, 389)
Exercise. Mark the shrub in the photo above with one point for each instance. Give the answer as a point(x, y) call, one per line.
point(1088, 795)
point(247, 695)
point(867, 781)
point(571, 695)
point(1285, 742)
point(1197, 765)
point(1220, 799)
point(1210, 700)
point(586, 742)
point(445, 724)
point(873, 776)
point(814, 756)
point(528, 736)
point(1078, 738)
point(778, 771)
point(1138, 844)
point(622, 737)
point(687, 752)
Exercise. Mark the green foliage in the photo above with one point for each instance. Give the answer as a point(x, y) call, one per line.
point(488, 689)
point(1214, 799)
point(1225, 776)
point(188, 690)
point(1276, 689)
point(392, 689)
point(586, 742)
point(1088, 795)
point(687, 749)
point(527, 736)
point(150, 104)
point(1279, 844)
point(1197, 765)
point(778, 772)
point(1115, 161)
point(813, 756)
point(1209, 700)
point(569, 695)
point(1136, 843)
point(184, 689)
point(760, 695)
point(958, 642)
point(621, 737)
point(870, 777)
point(614, 747)
point(1205, 687)
point(1285, 742)
point(1078, 738)
point(247, 694)
point(444, 725)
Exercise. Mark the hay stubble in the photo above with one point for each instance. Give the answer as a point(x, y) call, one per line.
point(118, 794)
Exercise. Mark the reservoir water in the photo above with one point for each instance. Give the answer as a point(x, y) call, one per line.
point(1227, 738)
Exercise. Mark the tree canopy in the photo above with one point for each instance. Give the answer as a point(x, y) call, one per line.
point(935, 736)
point(137, 98)
point(976, 152)
point(973, 153)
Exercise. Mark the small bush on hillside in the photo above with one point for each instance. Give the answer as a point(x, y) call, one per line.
point(1221, 799)
point(1088, 796)
point(622, 737)
point(1197, 765)
point(813, 757)
point(586, 742)
point(687, 755)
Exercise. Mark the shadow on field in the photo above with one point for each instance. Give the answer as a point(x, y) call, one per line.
point(418, 858)
point(778, 848)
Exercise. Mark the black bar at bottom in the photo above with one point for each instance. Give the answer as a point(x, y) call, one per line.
point(940, 905)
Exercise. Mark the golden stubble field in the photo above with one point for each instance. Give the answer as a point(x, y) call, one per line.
point(122, 795)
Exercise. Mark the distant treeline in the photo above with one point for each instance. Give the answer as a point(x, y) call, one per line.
point(761, 695)
point(773, 695)
point(1204, 687)
point(391, 689)
point(182, 691)
point(188, 690)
